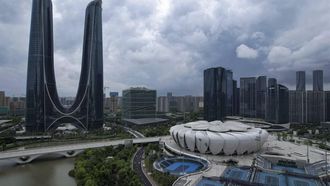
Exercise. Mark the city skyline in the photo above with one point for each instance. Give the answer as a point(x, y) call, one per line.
point(165, 92)
point(141, 51)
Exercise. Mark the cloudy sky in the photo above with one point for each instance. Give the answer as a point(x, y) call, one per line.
point(166, 44)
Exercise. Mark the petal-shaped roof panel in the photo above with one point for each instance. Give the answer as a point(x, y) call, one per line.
point(215, 137)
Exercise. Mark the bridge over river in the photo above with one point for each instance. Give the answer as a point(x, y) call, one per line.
point(28, 155)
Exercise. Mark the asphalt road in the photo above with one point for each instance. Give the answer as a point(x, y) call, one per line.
point(138, 168)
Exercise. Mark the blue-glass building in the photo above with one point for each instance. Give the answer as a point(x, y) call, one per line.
point(215, 90)
point(248, 97)
point(44, 111)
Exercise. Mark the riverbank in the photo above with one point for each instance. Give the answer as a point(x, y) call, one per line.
point(48, 171)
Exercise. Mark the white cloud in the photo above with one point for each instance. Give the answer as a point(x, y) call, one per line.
point(246, 52)
point(279, 55)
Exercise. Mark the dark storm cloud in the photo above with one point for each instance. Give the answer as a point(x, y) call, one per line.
point(166, 44)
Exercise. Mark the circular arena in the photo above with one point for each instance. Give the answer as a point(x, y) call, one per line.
point(216, 137)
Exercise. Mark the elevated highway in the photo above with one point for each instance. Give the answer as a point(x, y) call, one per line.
point(28, 155)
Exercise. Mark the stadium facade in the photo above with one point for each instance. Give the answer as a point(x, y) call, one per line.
point(216, 137)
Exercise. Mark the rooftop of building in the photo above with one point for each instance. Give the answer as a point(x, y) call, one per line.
point(145, 121)
point(139, 88)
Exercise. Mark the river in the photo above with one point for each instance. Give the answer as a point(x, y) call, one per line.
point(46, 172)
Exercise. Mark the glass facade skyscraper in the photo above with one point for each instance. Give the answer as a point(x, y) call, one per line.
point(316, 106)
point(139, 103)
point(261, 91)
point(271, 102)
point(236, 98)
point(317, 80)
point(297, 106)
point(282, 114)
point(277, 102)
point(300, 81)
point(230, 93)
point(215, 90)
point(248, 97)
point(44, 111)
point(327, 108)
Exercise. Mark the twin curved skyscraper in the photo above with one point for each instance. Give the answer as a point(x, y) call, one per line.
point(44, 111)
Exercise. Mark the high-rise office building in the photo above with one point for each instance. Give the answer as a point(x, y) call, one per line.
point(300, 81)
point(317, 80)
point(327, 112)
point(271, 100)
point(215, 89)
point(248, 97)
point(297, 106)
point(139, 103)
point(44, 111)
point(277, 102)
point(2, 98)
point(282, 114)
point(3, 106)
point(229, 94)
point(7, 101)
point(297, 100)
point(261, 91)
point(236, 98)
point(272, 82)
point(315, 106)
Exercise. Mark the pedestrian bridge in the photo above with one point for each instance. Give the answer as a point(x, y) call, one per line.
point(28, 155)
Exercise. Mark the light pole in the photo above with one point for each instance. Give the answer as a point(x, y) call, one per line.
point(307, 142)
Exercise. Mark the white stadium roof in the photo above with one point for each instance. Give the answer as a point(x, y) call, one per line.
point(216, 137)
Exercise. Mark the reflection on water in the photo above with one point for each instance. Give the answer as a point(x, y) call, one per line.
point(46, 172)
